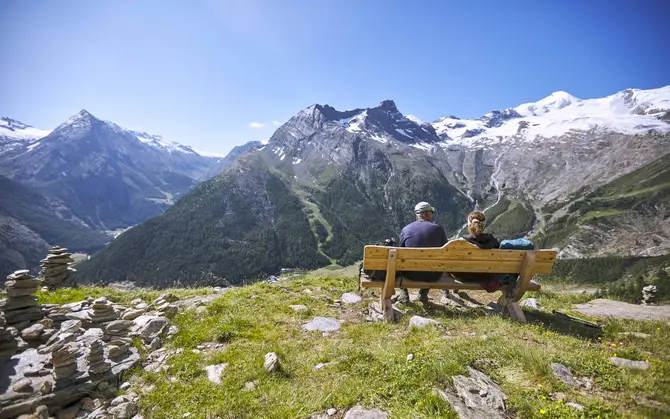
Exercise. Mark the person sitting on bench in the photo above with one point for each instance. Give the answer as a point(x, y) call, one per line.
point(476, 236)
point(421, 233)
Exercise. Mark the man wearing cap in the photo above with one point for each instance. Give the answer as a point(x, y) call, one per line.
point(421, 233)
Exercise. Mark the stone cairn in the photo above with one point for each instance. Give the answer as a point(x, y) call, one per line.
point(116, 334)
point(96, 358)
point(56, 271)
point(20, 309)
point(101, 311)
point(649, 294)
point(8, 343)
point(64, 361)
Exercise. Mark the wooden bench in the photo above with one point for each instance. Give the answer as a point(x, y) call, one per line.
point(455, 256)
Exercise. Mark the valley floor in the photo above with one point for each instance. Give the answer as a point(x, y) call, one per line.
point(369, 364)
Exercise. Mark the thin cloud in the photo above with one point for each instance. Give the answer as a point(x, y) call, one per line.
point(256, 125)
point(276, 123)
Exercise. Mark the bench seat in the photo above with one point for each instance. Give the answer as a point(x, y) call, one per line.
point(447, 282)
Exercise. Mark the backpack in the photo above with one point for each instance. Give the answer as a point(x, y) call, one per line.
point(375, 275)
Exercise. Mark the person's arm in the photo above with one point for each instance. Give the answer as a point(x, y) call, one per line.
point(402, 238)
point(444, 236)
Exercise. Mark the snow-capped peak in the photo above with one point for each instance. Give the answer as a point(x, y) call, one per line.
point(629, 111)
point(157, 141)
point(555, 101)
point(414, 119)
point(17, 130)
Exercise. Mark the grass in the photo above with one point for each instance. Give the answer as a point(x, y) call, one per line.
point(67, 295)
point(369, 360)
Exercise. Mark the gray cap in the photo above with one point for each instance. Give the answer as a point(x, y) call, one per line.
point(423, 207)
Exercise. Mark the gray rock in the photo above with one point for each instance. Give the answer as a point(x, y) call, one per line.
point(562, 373)
point(576, 406)
point(421, 322)
point(477, 397)
point(358, 412)
point(153, 327)
point(298, 307)
point(323, 324)
point(70, 326)
point(638, 335)
point(271, 363)
point(156, 343)
point(23, 385)
point(132, 314)
point(331, 411)
point(68, 413)
point(117, 326)
point(87, 404)
point(350, 298)
point(124, 410)
point(249, 386)
point(627, 363)
point(119, 400)
point(530, 303)
point(214, 372)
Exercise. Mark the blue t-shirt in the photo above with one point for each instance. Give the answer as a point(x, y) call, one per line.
point(423, 234)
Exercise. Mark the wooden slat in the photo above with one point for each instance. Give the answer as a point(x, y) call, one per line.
point(446, 282)
point(457, 249)
point(431, 265)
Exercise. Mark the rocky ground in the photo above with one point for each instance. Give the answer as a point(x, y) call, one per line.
point(310, 347)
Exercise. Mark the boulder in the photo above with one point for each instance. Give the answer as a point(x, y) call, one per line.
point(421, 322)
point(323, 324)
point(271, 363)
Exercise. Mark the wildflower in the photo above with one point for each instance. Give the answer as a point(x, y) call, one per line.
point(539, 385)
point(419, 403)
point(543, 412)
point(614, 345)
point(614, 355)
point(544, 397)
point(560, 401)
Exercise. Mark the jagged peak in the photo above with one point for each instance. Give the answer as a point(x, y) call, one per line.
point(388, 105)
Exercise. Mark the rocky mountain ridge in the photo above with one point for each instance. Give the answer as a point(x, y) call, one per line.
point(342, 179)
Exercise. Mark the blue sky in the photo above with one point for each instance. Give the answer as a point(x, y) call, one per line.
point(202, 72)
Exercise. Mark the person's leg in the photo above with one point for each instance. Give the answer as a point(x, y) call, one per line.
point(423, 295)
point(403, 297)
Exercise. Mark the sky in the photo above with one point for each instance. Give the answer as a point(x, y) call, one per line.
point(215, 74)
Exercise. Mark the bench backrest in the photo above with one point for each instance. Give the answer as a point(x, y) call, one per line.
point(456, 256)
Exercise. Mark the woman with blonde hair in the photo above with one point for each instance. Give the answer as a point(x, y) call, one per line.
point(476, 235)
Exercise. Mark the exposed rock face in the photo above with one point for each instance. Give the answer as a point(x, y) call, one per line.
point(56, 271)
point(477, 397)
point(20, 309)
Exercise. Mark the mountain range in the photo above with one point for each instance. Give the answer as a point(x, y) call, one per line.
point(588, 176)
point(88, 174)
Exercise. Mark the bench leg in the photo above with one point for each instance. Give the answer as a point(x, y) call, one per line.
point(511, 307)
point(385, 303)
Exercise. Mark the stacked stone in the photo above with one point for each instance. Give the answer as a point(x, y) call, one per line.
point(8, 343)
point(649, 294)
point(20, 308)
point(101, 311)
point(64, 361)
point(96, 358)
point(56, 271)
point(116, 334)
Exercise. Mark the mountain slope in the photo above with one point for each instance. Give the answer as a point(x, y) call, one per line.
point(327, 183)
point(350, 178)
point(30, 224)
point(107, 176)
point(226, 161)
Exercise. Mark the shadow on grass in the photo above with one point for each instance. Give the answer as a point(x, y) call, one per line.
point(563, 326)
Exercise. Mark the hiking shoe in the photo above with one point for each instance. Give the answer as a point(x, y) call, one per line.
point(403, 296)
